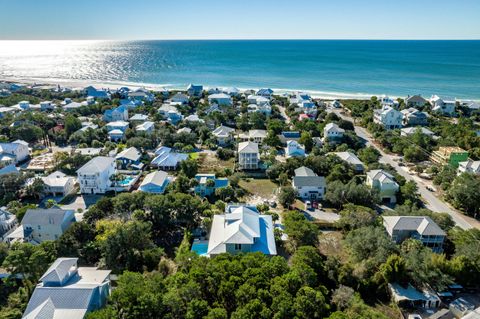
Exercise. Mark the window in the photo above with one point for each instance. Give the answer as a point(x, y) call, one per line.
point(238, 246)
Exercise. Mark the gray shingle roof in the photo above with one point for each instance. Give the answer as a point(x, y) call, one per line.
point(96, 165)
point(53, 216)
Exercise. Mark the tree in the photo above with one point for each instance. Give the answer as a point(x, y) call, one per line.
point(343, 297)
point(355, 216)
point(72, 124)
point(272, 139)
point(27, 132)
point(189, 168)
point(369, 155)
point(393, 270)
point(463, 193)
point(310, 303)
point(306, 140)
point(225, 193)
point(299, 230)
point(409, 192)
point(287, 196)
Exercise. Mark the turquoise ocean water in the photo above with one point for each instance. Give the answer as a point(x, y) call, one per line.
point(342, 66)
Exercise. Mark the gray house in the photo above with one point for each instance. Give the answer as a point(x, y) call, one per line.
point(422, 228)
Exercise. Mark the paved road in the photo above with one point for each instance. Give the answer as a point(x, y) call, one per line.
point(431, 201)
point(284, 113)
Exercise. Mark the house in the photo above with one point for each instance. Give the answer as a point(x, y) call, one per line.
point(9, 169)
point(265, 92)
point(13, 153)
point(232, 91)
point(180, 98)
point(384, 183)
point(22, 106)
point(351, 159)
point(120, 113)
point(155, 182)
point(208, 183)
point(146, 127)
point(388, 117)
point(264, 108)
point(168, 160)
point(170, 113)
point(294, 149)
point(184, 130)
point(8, 222)
point(241, 229)
point(58, 184)
point(443, 105)
point(409, 297)
point(469, 166)
point(449, 155)
point(223, 134)
point(116, 135)
point(472, 105)
point(386, 101)
point(97, 94)
point(194, 118)
point(129, 158)
point(43, 106)
point(289, 135)
point(94, 176)
point(412, 130)
point(68, 291)
point(117, 125)
point(213, 108)
point(39, 225)
point(131, 104)
point(421, 228)
point(308, 185)
point(257, 136)
point(138, 118)
point(248, 156)
point(414, 117)
point(415, 101)
point(141, 95)
point(195, 90)
point(220, 99)
point(332, 132)
point(72, 106)
point(6, 110)
point(258, 100)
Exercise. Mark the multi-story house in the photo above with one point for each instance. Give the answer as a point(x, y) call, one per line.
point(208, 183)
point(248, 156)
point(422, 228)
point(385, 184)
point(94, 176)
point(308, 185)
point(388, 117)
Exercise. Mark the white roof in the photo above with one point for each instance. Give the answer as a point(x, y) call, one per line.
point(222, 131)
point(57, 179)
point(381, 175)
point(130, 153)
point(333, 127)
point(412, 130)
point(242, 226)
point(247, 147)
point(219, 96)
point(349, 158)
point(155, 178)
point(117, 124)
point(145, 126)
point(96, 165)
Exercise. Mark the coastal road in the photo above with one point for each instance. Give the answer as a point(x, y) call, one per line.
point(431, 201)
point(284, 114)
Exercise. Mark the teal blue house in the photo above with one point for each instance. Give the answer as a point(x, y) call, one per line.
point(208, 183)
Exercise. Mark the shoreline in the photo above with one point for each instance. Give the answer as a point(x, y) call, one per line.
point(80, 84)
point(101, 84)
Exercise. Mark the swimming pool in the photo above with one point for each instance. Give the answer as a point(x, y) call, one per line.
point(126, 181)
point(200, 247)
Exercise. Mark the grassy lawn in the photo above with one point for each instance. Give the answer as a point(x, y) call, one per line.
point(261, 187)
point(208, 163)
point(194, 156)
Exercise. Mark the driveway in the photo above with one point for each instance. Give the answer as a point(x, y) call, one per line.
point(431, 201)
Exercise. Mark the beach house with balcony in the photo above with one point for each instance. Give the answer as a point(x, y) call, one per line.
point(421, 228)
point(388, 117)
point(384, 183)
point(195, 90)
point(241, 229)
point(294, 149)
point(257, 136)
point(68, 291)
point(58, 184)
point(94, 176)
point(248, 156)
point(168, 160)
point(129, 158)
point(443, 105)
point(415, 101)
point(413, 117)
point(39, 225)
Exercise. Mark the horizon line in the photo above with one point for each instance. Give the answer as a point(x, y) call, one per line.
point(256, 39)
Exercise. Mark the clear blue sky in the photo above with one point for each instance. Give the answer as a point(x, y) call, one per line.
point(240, 19)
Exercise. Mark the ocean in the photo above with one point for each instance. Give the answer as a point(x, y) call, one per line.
point(337, 67)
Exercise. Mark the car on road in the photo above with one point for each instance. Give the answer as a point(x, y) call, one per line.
point(431, 188)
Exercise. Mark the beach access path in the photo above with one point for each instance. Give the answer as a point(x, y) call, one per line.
point(432, 202)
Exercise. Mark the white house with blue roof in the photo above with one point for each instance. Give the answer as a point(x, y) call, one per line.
point(208, 183)
point(241, 229)
point(68, 291)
